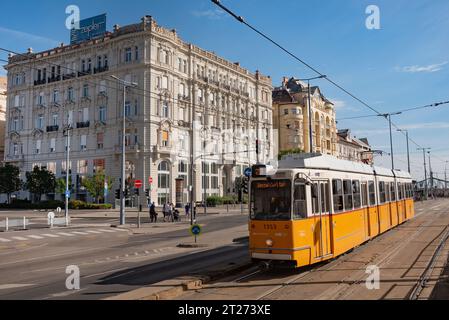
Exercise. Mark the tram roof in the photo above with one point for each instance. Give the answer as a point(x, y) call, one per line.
point(327, 162)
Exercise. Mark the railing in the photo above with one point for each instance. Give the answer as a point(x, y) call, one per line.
point(52, 128)
point(101, 69)
point(84, 73)
point(40, 82)
point(54, 79)
point(84, 124)
point(69, 76)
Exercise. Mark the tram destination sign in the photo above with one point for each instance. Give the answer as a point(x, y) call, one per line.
point(271, 184)
point(89, 28)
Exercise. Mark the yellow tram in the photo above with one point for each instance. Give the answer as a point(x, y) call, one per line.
point(316, 207)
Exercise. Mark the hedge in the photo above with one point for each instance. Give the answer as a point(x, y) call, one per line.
point(53, 204)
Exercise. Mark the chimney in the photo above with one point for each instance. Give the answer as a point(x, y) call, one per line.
point(237, 64)
point(30, 50)
point(284, 82)
point(116, 27)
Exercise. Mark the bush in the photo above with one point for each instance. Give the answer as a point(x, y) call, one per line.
point(53, 204)
point(80, 205)
point(214, 201)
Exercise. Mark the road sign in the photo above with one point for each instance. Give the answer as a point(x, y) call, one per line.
point(150, 180)
point(248, 172)
point(67, 194)
point(195, 230)
point(138, 184)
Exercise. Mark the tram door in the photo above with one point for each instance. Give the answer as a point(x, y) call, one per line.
point(323, 218)
point(364, 191)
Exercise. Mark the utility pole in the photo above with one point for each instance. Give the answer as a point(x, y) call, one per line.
point(425, 171)
point(408, 151)
point(126, 85)
point(431, 175)
point(445, 177)
point(388, 117)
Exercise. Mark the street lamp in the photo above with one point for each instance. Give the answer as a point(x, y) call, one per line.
point(408, 152)
point(310, 109)
point(67, 166)
point(125, 84)
point(425, 170)
point(445, 176)
point(388, 117)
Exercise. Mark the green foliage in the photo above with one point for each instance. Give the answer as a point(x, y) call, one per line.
point(60, 185)
point(289, 151)
point(80, 205)
point(40, 181)
point(218, 201)
point(53, 204)
point(9, 180)
point(95, 184)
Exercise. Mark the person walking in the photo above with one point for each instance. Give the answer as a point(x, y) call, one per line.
point(187, 209)
point(153, 213)
point(170, 213)
point(165, 211)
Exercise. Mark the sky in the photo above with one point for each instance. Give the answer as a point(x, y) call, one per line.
point(403, 64)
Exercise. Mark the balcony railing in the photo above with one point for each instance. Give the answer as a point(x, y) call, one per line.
point(40, 82)
point(69, 76)
point(101, 69)
point(84, 124)
point(54, 79)
point(52, 128)
point(84, 73)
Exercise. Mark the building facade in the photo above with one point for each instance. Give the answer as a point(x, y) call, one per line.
point(181, 89)
point(291, 118)
point(354, 149)
point(3, 87)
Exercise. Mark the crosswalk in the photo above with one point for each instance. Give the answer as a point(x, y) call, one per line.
point(66, 234)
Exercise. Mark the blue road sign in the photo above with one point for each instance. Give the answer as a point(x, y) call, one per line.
point(195, 230)
point(248, 172)
point(67, 194)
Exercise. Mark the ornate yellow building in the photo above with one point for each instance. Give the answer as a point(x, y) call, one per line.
point(291, 118)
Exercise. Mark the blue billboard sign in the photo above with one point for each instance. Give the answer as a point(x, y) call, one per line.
point(89, 28)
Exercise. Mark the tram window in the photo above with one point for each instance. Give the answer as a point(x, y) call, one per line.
point(372, 193)
point(403, 191)
point(393, 191)
point(364, 194)
point(399, 191)
point(387, 192)
point(347, 188)
point(337, 192)
point(299, 202)
point(324, 197)
point(381, 192)
point(315, 203)
point(356, 193)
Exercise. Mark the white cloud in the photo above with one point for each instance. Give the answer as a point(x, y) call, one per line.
point(28, 37)
point(209, 14)
point(341, 105)
point(416, 69)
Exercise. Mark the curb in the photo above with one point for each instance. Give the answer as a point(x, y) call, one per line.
point(193, 283)
point(241, 239)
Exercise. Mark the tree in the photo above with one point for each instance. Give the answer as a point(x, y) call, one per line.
point(95, 185)
point(40, 181)
point(9, 180)
point(289, 151)
point(60, 185)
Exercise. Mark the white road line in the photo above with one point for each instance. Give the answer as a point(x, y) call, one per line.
point(118, 229)
point(92, 231)
point(105, 230)
point(20, 238)
point(35, 237)
point(66, 234)
point(50, 235)
point(4, 240)
point(80, 233)
point(12, 286)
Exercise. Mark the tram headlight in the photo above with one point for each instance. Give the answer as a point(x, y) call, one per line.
point(269, 242)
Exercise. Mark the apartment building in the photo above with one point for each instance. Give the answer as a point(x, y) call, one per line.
point(180, 87)
point(354, 149)
point(3, 87)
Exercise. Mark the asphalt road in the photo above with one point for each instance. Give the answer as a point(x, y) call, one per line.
point(112, 261)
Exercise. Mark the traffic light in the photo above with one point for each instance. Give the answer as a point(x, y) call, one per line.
point(147, 193)
point(245, 185)
point(257, 146)
point(136, 192)
point(126, 193)
point(117, 193)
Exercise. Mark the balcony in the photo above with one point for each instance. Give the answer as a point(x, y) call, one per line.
point(101, 69)
point(85, 73)
point(52, 128)
point(183, 97)
point(225, 86)
point(85, 124)
point(40, 82)
point(54, 79)
point(69, 76)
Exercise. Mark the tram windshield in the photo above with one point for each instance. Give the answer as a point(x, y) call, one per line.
point(271, 200)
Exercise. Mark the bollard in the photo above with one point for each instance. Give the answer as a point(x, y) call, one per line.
point(6, 225)
point(24, 223)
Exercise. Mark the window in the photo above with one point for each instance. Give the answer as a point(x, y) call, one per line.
point(55, 96)
point(182, 171)
point(70, 118)
point(99, 165)
point(38, 146)
point(164, 138)
point(70, 95)
point(40, 122)
point(99, 62)
point(382, 195)
point(324, 190)
point(392, 191)
point(271, 200)
point(337, 189)
point(85, 114)
point(41, 99)
point(55, 118)
point(102, 114)
point(102, 88)
point(105, 60)
point(82, 166)
point(164, 82)
point(299, 201)
point(315, 203)
point(387, 192)
point(400, 195)
point(136, 53)
point(347, 189)
point(127, 109)
point(356, 193)
point(64, 168)
point(100, 140)
point(83, 143)
point(128, 55)
point(165, 109)
point(85, 91)
point(52, 145)
point(364, 194)
point(164, 175)
point(372, 193)
point(285, 111)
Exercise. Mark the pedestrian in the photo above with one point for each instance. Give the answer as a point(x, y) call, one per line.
point(187, 209)
point(170, 212)
point(153, 213)
point(164, 211)
point(194, 212)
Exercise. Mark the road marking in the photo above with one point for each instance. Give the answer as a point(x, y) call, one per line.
point(105, 230)
point(124, 230)
point(50, 235)
point(20, 238)
point(4, 240)
point(35, 237)
point(12, 286)
point(66, 234)
point(92, 231)
point(81, 233)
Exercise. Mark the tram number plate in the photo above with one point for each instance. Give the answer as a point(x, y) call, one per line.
point(269, 226)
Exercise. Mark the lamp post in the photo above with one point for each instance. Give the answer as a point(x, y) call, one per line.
point(126, 85)
point(425, 171)
point(310, 109)
point(431, 175)
point(408, 152)
point(67, 166)
point(388, 117)
point(445, 176)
